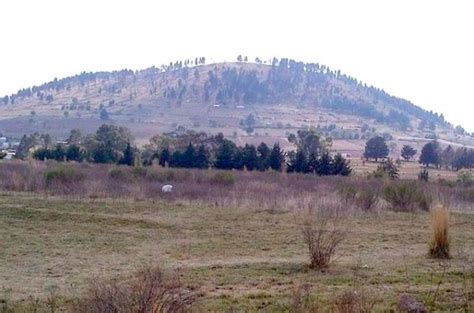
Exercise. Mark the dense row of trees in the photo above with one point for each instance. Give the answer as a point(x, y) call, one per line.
point(189, 149)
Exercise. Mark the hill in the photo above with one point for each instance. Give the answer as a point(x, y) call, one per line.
point(250, 102)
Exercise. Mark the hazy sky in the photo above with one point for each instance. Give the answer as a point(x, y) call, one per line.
point(419, 50)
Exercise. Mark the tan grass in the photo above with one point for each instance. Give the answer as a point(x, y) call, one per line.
point(440, 241)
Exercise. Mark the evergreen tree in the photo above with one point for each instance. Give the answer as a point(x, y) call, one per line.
point(276, 158)
point(59, 154)
point(176, 159)
point(430, 154)
point(298, 163)
point(74, 153)
point(224, 156)
point(313, 163)
point(263, 156)
point(238, 161)
point(447, 156)
point(165, 157)
point(128, 157)
point(376, 148)
point(189, 157)
point(250, 159)
point(103, 154)
point(202, 160)
point(324, 165)
point(408, 152)
point(341, 166)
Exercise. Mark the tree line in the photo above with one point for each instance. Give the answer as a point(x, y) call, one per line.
point(189, 149)
point(432, 154)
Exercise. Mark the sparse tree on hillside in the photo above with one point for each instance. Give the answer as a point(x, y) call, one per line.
point(376, 148)
point(408, 152)
point(104, 115)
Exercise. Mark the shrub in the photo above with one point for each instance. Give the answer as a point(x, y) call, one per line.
point(322, 235)
point(302, 301)
point(62, 174)
point(366, 200)
point(139, 171)
point(347, 192)
point(120, 173)
point(405, 197)
point(223, 178)
point(447, 183)
point(149, 291)
point(351, 301)
point(467, 194)
point(389, 168)
point(465, 177)
point(423, 176)
point(439, 244)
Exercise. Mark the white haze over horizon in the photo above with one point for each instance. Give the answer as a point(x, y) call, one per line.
point(418, 50)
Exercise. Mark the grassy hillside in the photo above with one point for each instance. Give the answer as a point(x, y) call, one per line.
point(282, 95)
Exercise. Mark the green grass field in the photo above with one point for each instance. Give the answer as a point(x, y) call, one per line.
point(233, 258)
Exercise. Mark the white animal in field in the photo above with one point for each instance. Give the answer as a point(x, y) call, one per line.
point(167, 188)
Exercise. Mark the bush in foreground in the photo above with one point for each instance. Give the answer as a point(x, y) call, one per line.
point(439, 245)
point(406, 197)
point(322, 234)
point(149, 291)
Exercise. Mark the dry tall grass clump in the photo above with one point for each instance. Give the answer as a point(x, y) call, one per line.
point(150, 291)
point(439, 244)
point(323, 233)
point(351, 301)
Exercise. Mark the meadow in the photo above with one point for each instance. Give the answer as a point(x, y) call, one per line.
point(234, 240)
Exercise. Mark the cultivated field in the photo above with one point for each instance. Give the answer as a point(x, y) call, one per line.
point(235, 238)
